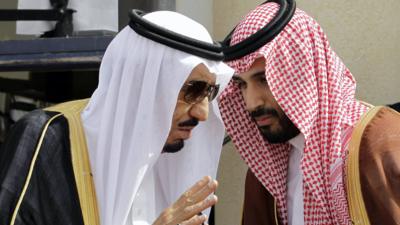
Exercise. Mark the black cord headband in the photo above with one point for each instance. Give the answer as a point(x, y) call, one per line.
point(173, 39)
point(215, 51)
point(261, 37)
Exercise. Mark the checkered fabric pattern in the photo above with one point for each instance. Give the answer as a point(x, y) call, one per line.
point(316, 91)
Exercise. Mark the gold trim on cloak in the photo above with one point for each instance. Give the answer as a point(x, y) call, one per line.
point(358, 212)
point(80, 159)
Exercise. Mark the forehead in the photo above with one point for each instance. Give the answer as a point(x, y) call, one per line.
point(201, 72)
point(257, 67)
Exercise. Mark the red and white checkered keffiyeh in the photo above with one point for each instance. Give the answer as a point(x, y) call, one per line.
point(316, 91)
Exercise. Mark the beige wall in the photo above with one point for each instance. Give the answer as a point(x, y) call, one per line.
point(7, 28)
point(201, 11)
point(8, 33)
point(364, 33)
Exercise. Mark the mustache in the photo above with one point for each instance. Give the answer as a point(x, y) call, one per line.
point(189, 123)
point(263, 111)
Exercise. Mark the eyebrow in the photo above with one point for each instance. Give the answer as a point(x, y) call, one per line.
point(258, 74)
point(236, 78)
point(206, 77)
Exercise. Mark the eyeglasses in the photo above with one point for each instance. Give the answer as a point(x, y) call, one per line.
point(195, 91)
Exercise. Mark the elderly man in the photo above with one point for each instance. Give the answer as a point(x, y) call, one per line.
point(126, 155)
point(316, 154)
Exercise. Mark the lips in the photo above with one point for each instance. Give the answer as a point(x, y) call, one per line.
point(184, 132)
point(264, 120)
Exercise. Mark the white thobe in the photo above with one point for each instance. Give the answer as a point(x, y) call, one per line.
point(294, 196)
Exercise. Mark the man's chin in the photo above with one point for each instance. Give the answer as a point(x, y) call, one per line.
point(278, 136)
point(273, 137)
point(173, 147)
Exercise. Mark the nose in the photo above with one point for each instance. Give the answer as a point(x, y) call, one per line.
point(254, 97)
point(200, 110)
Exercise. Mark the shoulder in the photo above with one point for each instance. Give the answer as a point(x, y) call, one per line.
point(381, 118)
point(32, 123)
point(50, 175)
point(24, 135)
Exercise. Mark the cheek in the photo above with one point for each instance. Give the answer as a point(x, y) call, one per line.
point(271, 98)
point(283, 119)
point(251, 93)
point(246, 95)
point(180, 111)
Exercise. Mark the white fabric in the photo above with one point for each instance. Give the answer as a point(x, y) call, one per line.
point(90, 15)
point(295, 202)
point(143, 206)
point(128, 118)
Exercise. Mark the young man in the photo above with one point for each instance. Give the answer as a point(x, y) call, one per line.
point(316, 154)
point(126, 155)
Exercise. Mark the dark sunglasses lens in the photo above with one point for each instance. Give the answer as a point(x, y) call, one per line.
point(214, 92)
point(196, 91)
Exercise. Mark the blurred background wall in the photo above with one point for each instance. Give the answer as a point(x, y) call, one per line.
point(7, 32)
point(364, 33)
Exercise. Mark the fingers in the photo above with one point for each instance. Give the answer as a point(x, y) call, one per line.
point(192, 210)
point(188, 197)
point(186, 209)
point(199, 207)
point(206, 191)
point(195, 220)
point(196, 199)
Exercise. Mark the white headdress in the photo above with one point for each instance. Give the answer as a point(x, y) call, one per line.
point(128, 118)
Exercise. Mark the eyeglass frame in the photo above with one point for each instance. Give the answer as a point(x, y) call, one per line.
point(211, 90)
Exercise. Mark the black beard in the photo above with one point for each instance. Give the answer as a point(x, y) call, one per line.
point(174, 147)
point(281, 136)
point(287, 129)
point(189, 123)
point(179, 144)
